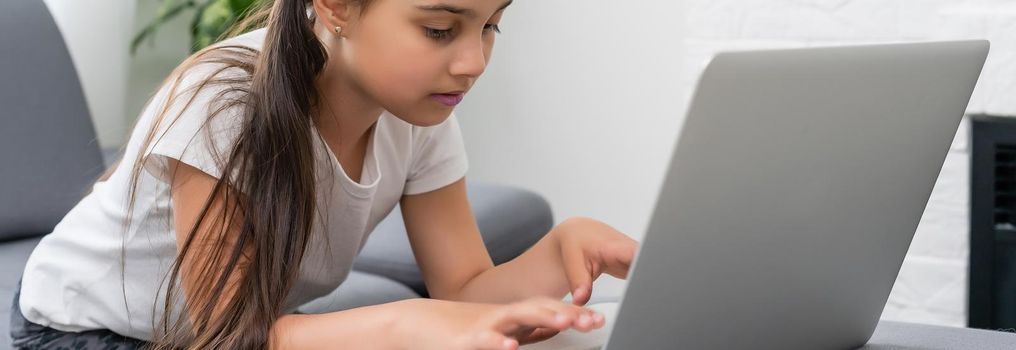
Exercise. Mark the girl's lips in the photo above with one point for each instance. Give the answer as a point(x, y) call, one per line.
point(448, 99)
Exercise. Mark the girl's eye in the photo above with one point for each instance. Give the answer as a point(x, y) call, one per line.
point(437, 34)
point(494, 27)
point(442, 34)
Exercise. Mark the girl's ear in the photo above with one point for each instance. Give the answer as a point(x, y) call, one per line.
point(334, 13)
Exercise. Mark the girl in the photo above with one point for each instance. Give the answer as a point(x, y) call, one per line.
point(256, 172)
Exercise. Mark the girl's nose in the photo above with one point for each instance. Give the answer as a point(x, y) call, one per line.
point(470, 60)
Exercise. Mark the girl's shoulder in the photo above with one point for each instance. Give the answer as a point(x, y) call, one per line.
point(195, 116)
point(253, 39)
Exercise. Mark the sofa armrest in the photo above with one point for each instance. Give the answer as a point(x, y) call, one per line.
point(510, 219)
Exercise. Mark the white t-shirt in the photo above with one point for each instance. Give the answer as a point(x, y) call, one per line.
point(72, 281)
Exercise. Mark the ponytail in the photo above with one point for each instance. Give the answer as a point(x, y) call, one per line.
point(268, 181)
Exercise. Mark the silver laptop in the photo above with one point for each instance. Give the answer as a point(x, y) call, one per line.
point(792, 196)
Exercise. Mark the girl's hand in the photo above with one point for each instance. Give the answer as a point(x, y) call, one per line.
point(442, 325)
point(589, 248)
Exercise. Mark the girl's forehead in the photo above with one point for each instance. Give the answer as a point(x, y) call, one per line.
point(466, 8)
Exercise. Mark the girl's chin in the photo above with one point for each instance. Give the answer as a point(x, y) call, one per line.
point(429, 118)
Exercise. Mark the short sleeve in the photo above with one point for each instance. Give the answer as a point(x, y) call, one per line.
point(189, 132)
point(439, 158)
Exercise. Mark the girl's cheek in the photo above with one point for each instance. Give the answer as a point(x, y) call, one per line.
point(419, 74)
point(400, 69)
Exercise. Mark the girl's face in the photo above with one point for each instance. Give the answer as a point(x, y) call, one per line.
point(415, 58)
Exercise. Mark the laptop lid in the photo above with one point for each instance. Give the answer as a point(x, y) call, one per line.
point(793, 194)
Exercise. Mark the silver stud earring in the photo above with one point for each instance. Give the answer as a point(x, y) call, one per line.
point(338, 30)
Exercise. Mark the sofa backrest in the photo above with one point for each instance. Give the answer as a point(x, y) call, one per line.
point(48, 151)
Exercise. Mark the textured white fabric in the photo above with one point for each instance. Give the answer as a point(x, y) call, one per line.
point(73, 280)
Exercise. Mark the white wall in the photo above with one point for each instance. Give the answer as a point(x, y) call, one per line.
point(932, 286)
point(97, 34)
point(582, 102)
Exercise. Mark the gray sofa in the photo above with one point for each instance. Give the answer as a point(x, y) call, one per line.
point(49, 156)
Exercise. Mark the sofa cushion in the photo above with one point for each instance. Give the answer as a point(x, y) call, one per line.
point(47, 141)
point(359, 289)
point(511, 220)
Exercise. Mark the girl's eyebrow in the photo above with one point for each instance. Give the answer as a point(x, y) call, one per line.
point(458, 10)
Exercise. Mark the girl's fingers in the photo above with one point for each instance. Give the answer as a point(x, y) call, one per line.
point(620, 255)
point(538, 335)
point(516, 316)
point(581, 318)
point(576, 269)
point(539, 319)
point(491, 340)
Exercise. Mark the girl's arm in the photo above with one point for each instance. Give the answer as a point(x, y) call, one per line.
point(369, 327)
point(432, 324)
point(361, 328)
point(191, 189)
point(418, 324)
point(455, 263)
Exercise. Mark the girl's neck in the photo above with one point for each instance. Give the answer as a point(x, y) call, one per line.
point(345, 113)
point(344, 118)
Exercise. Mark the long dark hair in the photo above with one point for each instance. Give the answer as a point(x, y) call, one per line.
point(271, 199)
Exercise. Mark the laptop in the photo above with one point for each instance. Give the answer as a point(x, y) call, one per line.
point(792, 197)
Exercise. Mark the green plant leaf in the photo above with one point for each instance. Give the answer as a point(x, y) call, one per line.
point(241, 6)
point(246, 9)
point(168, 10)
point(212, 20)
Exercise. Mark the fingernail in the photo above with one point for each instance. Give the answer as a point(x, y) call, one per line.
point(507, 344)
